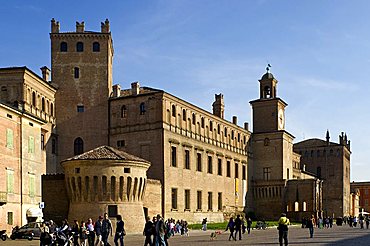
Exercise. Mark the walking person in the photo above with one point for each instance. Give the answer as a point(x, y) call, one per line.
point(83, 234)
point(91, 233)
point(283, 229)
point(204, 224)
point(249, 225)
point(148, 232)
point(106, 229)
point(120, 231)
point(75, 232)
point(97, 229)
point(231, 226)
point(160, 230)
point(238, 227)
point(310, 223)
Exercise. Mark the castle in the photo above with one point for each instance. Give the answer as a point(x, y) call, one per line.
point(198, 163)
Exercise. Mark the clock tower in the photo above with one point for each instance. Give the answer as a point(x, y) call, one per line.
point(272, 144)
point(268, 110)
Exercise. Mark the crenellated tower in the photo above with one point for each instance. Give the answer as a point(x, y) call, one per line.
point(81, 69)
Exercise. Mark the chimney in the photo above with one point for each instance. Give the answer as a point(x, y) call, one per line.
point(235, 120)
point(55, 26)
point(246, 126)
point(116, 90)
point(135, 88)
point(105, 28)
point(219, 106)
point(45, 73)
point(80, 27)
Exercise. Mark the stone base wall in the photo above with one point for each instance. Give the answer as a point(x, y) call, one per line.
point(54, 195)
point(153, 198)
point(132, 214)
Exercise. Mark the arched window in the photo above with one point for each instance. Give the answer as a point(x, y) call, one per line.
point(173, 111)
point(142, 108)
point(96, 47)
point(76, 72)
point(78, 146)
point(267, 92)
point(184, 115)
point(80, 47)
point(63, 47)
point(296, 206)
point(43, 104)
point(202, 122)
point(193, 119)
point(225, 131)
point(218, 129)
point(123, 112)
point(34, 99)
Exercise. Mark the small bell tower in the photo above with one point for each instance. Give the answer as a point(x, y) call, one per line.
point(268, 85)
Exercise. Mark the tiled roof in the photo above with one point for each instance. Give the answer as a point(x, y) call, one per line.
point(313, 142)
point(106, 153)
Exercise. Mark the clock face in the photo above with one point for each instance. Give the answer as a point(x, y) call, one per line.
point(281, 119)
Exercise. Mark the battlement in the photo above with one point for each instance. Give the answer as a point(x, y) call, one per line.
point(80, 27)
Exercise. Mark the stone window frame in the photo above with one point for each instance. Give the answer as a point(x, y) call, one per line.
point(174, 199)
point(210, 201)
point(96, 47)
point(187, 199)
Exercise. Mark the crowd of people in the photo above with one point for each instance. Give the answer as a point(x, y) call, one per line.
point(157, 231)
point(84, 233)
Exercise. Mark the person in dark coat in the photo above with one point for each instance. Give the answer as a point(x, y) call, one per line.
point(238, 227)
point(231, 227)
point(148, 232)
point(120, 231)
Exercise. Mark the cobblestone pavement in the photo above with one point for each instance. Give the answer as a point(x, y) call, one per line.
point(341, 235)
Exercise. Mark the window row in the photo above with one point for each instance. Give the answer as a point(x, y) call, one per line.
point(210, 161)
point(10, 183)
point(79, 47)
point(40, 102)
point(124, 110)
point(199, 200)
point(319, 153)
point(296, 207)
point(233, 135)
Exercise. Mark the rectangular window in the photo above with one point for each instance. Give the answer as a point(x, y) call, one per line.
point(210, 201)
point(266, 173)
point(42, 141)
point(244, 172)
point(31, 185)
point(10, 218)
point(112, 210)
point(211, 126)
point(228, 169)
point(173, 156)
point(187, 159)
point(199, 200)
point(10, 181)
point(120, 143)
point(174, 198)
point(210, 168)
point(219, 201)
point(9, 138)
point(80, 108)
point(219, 167)
point(236, 170)
point(31, 144)
point(199, 162)
point(187, 199)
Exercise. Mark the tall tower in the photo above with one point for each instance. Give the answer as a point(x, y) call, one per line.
point(272, 145)
point(81, 67)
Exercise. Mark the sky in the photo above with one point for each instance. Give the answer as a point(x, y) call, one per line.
point(319, 52)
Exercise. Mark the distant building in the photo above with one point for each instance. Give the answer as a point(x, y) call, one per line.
point(330, 162)
point(364, 194)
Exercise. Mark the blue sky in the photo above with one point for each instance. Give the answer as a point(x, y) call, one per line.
point(319, 52)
